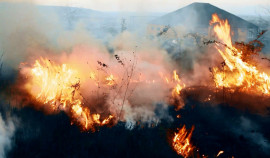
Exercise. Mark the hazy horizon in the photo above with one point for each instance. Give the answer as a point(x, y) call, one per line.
point(241, 7)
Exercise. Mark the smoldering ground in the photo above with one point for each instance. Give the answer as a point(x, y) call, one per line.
point(216, 128)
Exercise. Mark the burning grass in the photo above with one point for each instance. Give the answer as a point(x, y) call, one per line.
point(112, 88)
point(101, 96)
point(181, 142)
point(235, 72)
point(57, 87)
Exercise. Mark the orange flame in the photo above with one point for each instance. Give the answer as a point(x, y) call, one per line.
point(177, 89)
point(58, 86)
point(181, 142)
point(110, 80)
point(236, 72)
point(177, 84)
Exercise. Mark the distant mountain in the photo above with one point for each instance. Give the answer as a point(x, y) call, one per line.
point(261, 21)
point(62, 11)
point(100, 24)
point(265, 39)
point(199, 15)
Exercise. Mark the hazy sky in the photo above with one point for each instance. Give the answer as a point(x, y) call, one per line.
point(235, 6)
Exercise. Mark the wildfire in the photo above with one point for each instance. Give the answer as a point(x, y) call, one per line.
point(53, 84)
point(179, 85)
point(181, 142)
point(235, 71)
point(175, 82)
point(59, 87)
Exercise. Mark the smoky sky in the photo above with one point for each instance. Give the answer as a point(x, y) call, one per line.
point(242, 7)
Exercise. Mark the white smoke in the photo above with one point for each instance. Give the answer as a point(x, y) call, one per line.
point(251, 131)
point(7, 130)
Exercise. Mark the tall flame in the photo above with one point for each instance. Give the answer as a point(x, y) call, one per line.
point(58, 87)
point(236, 72)
point(177, 86)
point(181, 142)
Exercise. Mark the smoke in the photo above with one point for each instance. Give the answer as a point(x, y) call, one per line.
point(197, 61)
point(28, 35)
point(7, 129)
point(139, 94)
point(137, 87)
point(252, 132)
point(23, 29)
